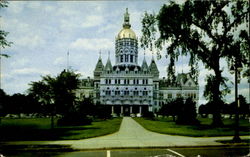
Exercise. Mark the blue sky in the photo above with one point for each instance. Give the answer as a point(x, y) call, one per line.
point(43, 32)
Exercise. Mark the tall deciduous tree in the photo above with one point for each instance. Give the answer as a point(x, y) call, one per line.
point(57, 93)
point(206, 31)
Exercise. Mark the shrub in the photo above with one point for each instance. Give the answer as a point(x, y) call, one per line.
point(74, 119)
point(149, 115)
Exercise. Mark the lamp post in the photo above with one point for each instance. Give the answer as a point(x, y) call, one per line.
point(236, 68)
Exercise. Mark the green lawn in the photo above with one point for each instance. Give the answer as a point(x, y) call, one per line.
point(39, 129)
point(167, 126)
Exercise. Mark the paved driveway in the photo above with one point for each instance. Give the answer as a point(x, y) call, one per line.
point(133, 135)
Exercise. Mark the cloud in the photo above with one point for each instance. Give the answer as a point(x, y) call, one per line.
point(29, 71)
point(92, 44)
point(92, 21)
point(16, 7)
point(59, 61)
point(20, 62)
point(49, 8)
point(30, 41)
point(34, 5)
point(105, 28)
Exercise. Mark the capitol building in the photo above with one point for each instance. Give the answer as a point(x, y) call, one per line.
point(132, 88)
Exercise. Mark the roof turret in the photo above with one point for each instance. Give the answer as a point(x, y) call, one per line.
point(144, 65)
point(98, 68)
point(153, 68)
point(108, 66)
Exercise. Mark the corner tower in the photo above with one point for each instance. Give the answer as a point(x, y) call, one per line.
point(126, 48)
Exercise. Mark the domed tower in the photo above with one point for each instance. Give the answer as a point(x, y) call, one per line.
point(126, 48)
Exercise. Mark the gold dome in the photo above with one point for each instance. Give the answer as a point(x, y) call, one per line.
point(126, 33)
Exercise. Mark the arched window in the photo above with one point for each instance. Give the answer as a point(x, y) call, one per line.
point(121, 58)
point(126, 58)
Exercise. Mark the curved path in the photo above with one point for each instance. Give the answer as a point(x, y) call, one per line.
point(133, 135)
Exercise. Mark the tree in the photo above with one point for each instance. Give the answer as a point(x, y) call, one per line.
point(206, 31)
point(57, 94)
point(3, 34)
point(3, 103)
point(87, 107)
point(244, 106)
point(187, 112)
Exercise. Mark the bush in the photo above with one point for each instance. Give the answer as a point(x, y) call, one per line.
point(74, 119)
point(187, 113)
point(149, 115)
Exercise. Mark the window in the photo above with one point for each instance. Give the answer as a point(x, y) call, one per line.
point(121, 58)
point(131, 58)
point(145, 93)
point(169, 95)
point(108, 92)
point(126, 58)
point(189, 84)
point(126, 92)
point(136, 93)
point(117, 92)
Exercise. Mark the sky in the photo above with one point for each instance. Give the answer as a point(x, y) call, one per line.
point(43, 32)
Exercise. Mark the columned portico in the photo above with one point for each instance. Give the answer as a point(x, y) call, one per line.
point(128, 110)
point(112, 110)
point(121, 110)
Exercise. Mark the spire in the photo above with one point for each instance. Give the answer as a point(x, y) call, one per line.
point(126, 23)
point(99, 65)
point(144, 65)
point(100, 54)
point(108, 65)
point(153, 67)
point(98, 68)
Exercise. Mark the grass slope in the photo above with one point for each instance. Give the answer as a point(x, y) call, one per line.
point(167, 126)
point(39, 129)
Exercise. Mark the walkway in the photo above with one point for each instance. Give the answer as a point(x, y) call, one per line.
point(133, 135)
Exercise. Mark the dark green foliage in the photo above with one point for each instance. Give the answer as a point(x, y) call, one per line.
point(57, 94)
point(206, 31)
point(149, 115)
point(244, 106)
point(3, 34)
point(187, 113)
point(18, 103)
point(86, 106)
point(185, 110)
point(73, 119)
point(103, 111)
point(3, 103)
